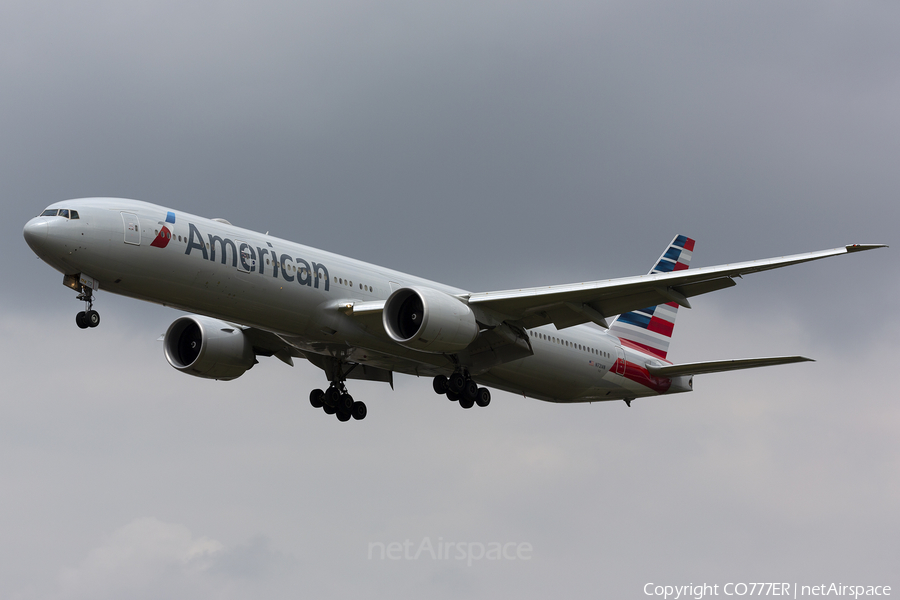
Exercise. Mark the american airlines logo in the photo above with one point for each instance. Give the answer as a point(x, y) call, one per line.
point(165, 234)
point(252, 259)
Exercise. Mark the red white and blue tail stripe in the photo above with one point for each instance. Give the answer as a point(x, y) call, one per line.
point(650, 329)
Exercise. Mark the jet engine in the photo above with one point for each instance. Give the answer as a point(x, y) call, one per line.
point(429, 320)
point(206, 347)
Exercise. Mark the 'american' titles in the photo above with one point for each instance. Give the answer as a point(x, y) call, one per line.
point(306, 273)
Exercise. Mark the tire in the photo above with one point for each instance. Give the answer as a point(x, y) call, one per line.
point(440, 384)
point(452, 397)
point(81, 321)
point(483, 398)
point(331, 396)
point(470, 391)
point(343, 415)
point(359, 411)
point(329, 409)
point(466, 402)
point(345, 403)
point(317, 398)
point(92, 318)
point(456, 383)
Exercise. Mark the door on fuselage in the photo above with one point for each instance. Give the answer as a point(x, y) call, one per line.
point(620, 361)
point(132, 228)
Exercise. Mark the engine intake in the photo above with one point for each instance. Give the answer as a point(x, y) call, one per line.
point(429, 320)
point(209, 348)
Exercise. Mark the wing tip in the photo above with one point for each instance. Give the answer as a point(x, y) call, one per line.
point(863, 247)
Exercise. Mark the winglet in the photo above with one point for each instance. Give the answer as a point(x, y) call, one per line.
point(861, 247)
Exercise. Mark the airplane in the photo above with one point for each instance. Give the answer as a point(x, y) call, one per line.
point(251, 294)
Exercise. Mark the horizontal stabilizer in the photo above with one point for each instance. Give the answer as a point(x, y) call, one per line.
point(719, 366)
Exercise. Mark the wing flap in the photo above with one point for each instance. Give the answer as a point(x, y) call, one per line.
point(720, 366)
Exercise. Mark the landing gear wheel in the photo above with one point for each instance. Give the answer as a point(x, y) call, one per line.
point(92, 318)
point(470, 391)
point(466, 402)
point(317, 398)
point(81, 321)
point(343, 415)
point(329, 409)
point(456, 383)
point(359, 411)
point(452, 397)
point(440, 384)
point(345, 403)
point(483, 398)
point(331, 396)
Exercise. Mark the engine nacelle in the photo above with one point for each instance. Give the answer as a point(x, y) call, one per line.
point(206, 347)
point(426, 319)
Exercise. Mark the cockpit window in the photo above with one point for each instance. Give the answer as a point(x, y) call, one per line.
point(60, 212)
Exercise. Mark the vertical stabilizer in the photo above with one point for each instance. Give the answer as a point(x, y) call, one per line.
point(650, 329)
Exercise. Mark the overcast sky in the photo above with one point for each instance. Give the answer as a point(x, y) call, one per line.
point(487, 145)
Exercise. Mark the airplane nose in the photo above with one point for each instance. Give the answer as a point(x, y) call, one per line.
point(35, 233)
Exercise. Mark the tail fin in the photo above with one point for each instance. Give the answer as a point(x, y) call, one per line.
point(650, 329)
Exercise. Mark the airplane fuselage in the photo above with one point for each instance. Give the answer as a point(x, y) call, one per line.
point(210, 267)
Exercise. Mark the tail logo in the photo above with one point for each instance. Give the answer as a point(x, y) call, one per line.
point(650, 329)
point(677, 257)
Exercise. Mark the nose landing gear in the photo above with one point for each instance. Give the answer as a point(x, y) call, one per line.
point(88, 317)
point(460, 387)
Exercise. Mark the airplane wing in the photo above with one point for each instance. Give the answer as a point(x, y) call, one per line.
point(266, 343)
point(576, 303)
point(719, 366)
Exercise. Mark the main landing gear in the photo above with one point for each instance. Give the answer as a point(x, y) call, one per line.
point(459, 386)
point(336, 401)
point(88, 317)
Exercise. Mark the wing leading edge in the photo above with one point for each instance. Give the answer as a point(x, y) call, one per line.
point(576, 303)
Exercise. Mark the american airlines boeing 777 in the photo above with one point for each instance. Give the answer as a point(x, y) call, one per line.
point(251, 294)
